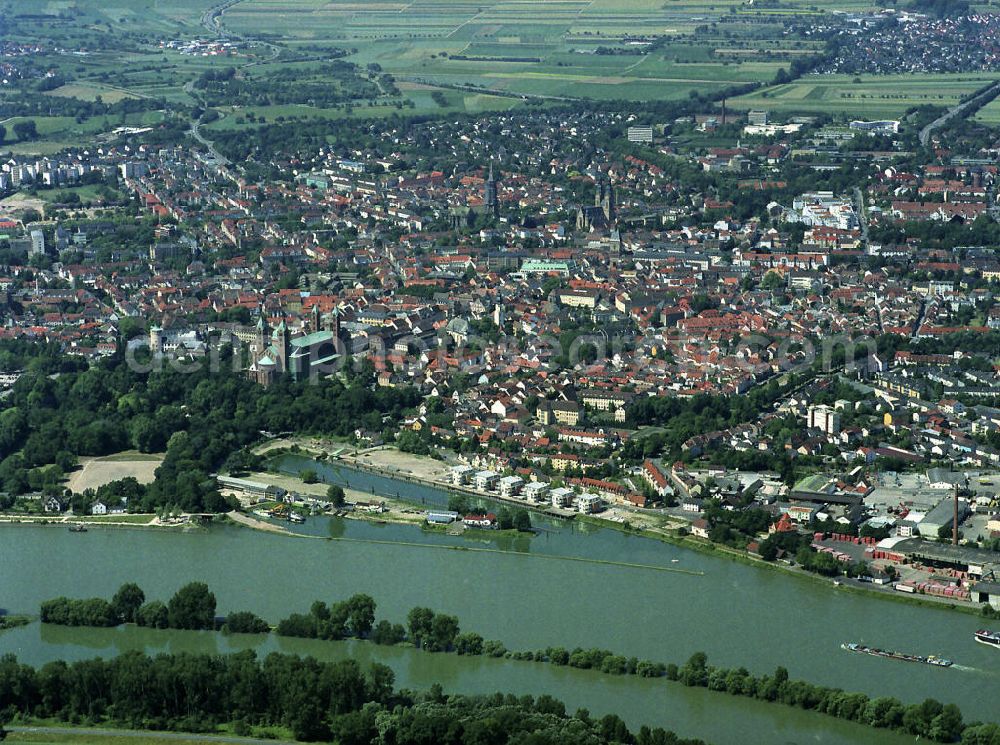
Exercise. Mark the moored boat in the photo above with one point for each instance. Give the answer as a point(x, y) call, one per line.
point(889, 654)
point(77, 528)
point(990, 638)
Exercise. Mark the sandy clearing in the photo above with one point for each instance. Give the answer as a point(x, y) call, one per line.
point(23, 202)
point(97, 472)
point(391, 460)
point(252, 522)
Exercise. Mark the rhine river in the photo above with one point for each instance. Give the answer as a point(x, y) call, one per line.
point(521, 595)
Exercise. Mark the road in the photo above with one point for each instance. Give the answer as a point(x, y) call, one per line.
point(487, 91)
point(925, 133)
point(211, 20)
point(166, 736)
point(208, 144)
point(195, 129)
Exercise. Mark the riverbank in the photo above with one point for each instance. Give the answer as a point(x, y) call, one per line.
point(252, 522)
point(125, 520)
point(704, 546)
point(396, 510)
point(391, 463)
point(670, 532)
point(418, 472)
point(662, 528)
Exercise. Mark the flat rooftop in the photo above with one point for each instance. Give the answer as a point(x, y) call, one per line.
point(946, 552)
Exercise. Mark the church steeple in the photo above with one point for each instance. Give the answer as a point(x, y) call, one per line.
point(604, 198)
point(262, 331)
point(280, 343)
point(315, 318)
point(490, 201)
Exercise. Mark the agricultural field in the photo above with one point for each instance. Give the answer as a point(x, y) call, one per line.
point(463, 19)
point(868, 96)
point(91, 92)
point(544, 48)
point(455, 102)
point(459, 56)
point(155, 16)
point(989, 114)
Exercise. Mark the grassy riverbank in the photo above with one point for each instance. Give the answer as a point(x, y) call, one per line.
point(124, 521)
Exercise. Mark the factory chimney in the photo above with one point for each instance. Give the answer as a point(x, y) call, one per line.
point(954, 523)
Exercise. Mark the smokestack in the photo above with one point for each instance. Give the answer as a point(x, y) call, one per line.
point(954, 525)
point(723, 112)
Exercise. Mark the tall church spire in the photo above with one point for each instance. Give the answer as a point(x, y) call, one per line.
point(490, 201)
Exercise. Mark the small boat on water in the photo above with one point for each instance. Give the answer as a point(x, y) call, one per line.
point(875, 652)
point(989, 638)
point(295, 517)
point(77, 528)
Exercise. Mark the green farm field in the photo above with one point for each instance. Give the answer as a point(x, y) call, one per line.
point(539, 48)
point(989, 114)
point(91, 92)
point(870, 96)
point(486, 55)
point(455, 102)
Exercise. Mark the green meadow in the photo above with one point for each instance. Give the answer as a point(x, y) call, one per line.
point(536, 47)
point(990, 113)
point(866, 96)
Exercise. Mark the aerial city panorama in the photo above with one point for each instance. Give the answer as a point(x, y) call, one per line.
point(514, 372)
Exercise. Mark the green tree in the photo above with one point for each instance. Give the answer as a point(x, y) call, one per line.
point(695, 671)
point(522, 520)
point(245, 622)
point(458, 503)
point(336, 495)
point(388, 633)
point(444, 629)
point(154, 615)
point(127, 601)
point(192, 607)
point(26, 129)
point(469, 643)
point(772, 281)
point(419, 622)
point(361, 614)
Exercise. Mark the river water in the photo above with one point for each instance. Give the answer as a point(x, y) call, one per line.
point(523, 593)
